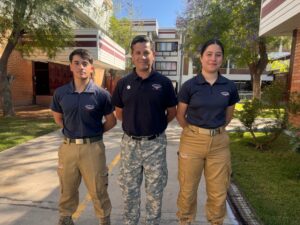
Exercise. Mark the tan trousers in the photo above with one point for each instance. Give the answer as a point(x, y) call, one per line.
point(198, 152)
point(87, 161)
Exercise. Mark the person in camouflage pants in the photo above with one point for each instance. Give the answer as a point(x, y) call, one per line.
point(138, 157)
point(145, 102)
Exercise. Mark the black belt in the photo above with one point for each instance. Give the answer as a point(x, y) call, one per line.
point(147, 138)
point(80, 141)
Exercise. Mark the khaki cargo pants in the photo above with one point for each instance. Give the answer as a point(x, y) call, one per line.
point(87, 161)
point(198, 152)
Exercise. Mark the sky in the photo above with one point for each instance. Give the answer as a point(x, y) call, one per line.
point(164, 11)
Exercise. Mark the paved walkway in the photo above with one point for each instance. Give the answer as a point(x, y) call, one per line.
point(29, 185)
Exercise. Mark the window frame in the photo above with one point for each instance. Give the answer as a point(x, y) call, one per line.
point(167, 72)
point(171, 52)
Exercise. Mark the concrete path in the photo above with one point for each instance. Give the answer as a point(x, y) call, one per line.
point(29, 186)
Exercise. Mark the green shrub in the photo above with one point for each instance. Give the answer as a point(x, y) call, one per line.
point(274, 103)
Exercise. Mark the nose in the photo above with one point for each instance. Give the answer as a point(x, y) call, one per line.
point(213, 57)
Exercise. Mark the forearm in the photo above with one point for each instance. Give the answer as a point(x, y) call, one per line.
point(60, 123)
point(119, 113)
point(110, 122)
point(170, 118)
point(182, 121)
point(119, 116)
point(228, 120)
point(107, 126)
point(229, 114)
point(171, 113)
point(181, 114)
point(58, 118)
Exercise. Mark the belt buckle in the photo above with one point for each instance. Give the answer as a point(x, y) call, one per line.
point(79, 141)
point(213, 132)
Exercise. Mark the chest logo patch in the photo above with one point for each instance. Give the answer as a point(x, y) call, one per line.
point(128, 87)
point(89, 107)
point(225, 93)
point(156, 86)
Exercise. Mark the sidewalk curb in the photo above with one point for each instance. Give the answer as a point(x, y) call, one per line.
point(240, 207)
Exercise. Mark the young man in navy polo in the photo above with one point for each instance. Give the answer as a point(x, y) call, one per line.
point(145, 102)
point(78, 107)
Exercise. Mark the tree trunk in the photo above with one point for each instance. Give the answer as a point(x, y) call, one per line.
point(5, 82)
point(257, 68)
point(17, 31)
point(256, 85)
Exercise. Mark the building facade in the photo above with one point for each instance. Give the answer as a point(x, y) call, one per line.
point(171, 61)
point(35, 77)
point(169, 56)
point(282, 18)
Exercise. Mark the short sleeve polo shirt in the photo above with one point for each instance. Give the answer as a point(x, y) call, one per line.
point(207, 103)
point(144, 103)
point(82, 112)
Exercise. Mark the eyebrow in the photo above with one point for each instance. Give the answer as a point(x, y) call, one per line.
point(214, 51)
point(83, 61)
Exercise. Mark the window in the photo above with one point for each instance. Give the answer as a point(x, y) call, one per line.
point(166, 68)
point(166, 48)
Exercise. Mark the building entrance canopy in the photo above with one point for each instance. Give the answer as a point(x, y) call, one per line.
point(107, 53)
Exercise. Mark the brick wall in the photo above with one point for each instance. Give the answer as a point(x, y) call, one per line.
point(22, 86)
point(295, 71)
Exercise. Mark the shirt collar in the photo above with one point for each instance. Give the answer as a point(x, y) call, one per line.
point(90, 88)
point(200, 79)
point(137, 77)
point(220, 80)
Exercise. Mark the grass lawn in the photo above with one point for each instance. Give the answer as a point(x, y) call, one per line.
point(270, 180)
point(16, 130)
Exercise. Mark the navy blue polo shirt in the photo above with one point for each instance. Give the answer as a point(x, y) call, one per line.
point(144, 103)
point(82, 112)
point(207, 103)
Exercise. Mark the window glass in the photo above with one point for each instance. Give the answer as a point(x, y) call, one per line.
point(174, 66)
point(166, 46)
point(167, 66)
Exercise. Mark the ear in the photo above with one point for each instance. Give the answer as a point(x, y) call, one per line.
point(93, 68)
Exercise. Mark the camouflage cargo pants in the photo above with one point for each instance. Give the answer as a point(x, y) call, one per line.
point(146, 157)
